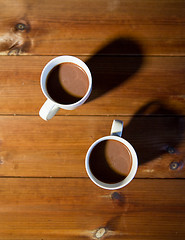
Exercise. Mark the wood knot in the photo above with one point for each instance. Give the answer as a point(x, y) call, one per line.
point(14, 52)
point(118, 197)
point(176, 165)
point(1, 162)
point(100, 232)
point(22, 26)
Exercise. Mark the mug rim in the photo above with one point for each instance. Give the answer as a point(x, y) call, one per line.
point(129, 177)
point(59, 60)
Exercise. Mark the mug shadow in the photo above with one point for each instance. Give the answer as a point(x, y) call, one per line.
point(109, 68)
point(153, 135)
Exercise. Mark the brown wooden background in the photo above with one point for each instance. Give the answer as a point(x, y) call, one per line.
point(136, 53)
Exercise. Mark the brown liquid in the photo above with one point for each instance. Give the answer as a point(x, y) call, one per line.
point(110, 161)
point(67, 83)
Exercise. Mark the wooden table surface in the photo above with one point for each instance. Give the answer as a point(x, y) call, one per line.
point(136, 53)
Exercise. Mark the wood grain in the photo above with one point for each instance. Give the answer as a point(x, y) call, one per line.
point(31, 147)
point(136, 53)
point(76, 209)
point(121, 85)
point(80, 27)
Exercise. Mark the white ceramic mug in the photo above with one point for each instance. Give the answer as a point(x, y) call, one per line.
point(51, 107)
point(116, 132)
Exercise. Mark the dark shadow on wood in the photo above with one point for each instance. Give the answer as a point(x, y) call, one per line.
point(123, 59)
point(155, 130)
point(114, 223)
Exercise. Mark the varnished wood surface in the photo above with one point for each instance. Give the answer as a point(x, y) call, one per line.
point(121, 85)
point(76, 209)
point(136, 53)
point(31, 147)
point(84, 27)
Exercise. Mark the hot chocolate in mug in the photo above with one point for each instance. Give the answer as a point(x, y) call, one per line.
point(111, 162)
point(66, 82)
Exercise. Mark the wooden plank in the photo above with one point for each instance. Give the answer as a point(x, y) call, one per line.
point(76, 209)
point(121, 85)
point(31, 147)
point(79, 27)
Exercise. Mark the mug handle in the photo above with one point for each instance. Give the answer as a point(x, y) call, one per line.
point(48, 110)
point(117, 128)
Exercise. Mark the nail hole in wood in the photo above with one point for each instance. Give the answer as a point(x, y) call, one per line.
point(20, 26)
point(171, 150)
point(174, 165)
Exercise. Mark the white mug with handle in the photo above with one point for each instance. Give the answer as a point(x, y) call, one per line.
point(51, 107)
point(116, 133)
